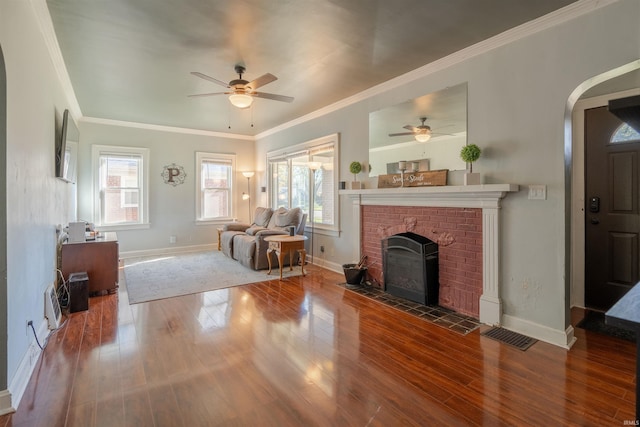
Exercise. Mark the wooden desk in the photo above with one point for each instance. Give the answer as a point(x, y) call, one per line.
point(625, 314)
point(99, 258)
point(283, 244)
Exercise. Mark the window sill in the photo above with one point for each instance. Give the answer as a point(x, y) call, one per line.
point(215, 221)
point(123, 227)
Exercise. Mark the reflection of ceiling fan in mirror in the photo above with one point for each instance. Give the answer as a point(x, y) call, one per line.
point(242, 91)
point(421, 133)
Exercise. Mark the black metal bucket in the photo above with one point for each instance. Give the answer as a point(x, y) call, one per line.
point(353, 274)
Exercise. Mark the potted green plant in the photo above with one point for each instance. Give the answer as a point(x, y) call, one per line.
point(355, 168)
point(469, 154)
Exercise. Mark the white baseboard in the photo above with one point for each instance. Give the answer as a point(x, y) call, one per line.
point(326, 264)
point(564, 339)
point(5, 403)
point(168, 251)
point(10, 400)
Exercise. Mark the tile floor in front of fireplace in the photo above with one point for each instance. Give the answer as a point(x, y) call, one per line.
point(435, 314)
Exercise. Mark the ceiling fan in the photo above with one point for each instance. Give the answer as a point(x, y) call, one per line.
point(421, 133)
point(242, 91)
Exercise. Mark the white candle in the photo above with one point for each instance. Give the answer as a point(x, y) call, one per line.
point(402, 165)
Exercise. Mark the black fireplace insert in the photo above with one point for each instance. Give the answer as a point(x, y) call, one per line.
point(410, 267)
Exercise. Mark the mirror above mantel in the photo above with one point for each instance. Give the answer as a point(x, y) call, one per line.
point(446, 114)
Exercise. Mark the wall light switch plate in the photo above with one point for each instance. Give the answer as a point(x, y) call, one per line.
point(537, 192)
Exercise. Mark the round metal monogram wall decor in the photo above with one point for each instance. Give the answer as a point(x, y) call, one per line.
point(173, 174)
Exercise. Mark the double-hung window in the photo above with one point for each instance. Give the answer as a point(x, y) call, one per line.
point(120, 186)
point(214, 188)
point(294, 183)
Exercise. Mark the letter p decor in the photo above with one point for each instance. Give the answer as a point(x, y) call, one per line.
point(173, 174)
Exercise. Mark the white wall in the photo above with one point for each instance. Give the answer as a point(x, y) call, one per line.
point(172, 208)
point(36, 200)
point(517, 100)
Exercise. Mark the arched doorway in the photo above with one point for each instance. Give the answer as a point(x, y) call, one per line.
point(594, 92)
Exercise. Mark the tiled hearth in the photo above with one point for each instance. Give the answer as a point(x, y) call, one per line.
point(463, 220)
point(440, 316)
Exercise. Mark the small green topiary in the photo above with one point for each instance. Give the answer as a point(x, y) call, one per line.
point(355, 168)
point(469, 154)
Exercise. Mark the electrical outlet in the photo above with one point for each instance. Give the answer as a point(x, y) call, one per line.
point(172, 239)
point(322, 248)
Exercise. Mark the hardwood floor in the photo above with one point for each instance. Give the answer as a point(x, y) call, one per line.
point(307, 352)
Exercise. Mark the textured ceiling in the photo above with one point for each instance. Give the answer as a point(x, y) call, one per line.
point(130, 60)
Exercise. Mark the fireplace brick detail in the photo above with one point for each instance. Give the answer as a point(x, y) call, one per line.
point(458, 232)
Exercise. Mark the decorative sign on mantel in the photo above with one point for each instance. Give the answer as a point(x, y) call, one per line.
point(414, 179)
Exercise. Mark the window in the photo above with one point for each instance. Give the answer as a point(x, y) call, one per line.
point(625, 133)
point(214, 189)
point(120, 186)
point(292, 182)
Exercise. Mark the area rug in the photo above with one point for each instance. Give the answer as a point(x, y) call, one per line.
point(153, 278)
point(595, 321)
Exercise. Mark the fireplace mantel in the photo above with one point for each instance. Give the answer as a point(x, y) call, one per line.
point(486, 197)
point(468, 196)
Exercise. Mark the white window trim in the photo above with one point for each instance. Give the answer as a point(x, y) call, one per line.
point(309, 147)
point(200, 156)
point(96, 152)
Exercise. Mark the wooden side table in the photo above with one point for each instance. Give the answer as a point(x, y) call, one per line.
point(281, 245)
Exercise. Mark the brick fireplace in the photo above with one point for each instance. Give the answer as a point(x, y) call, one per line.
point(463, 220)
point(458, 232)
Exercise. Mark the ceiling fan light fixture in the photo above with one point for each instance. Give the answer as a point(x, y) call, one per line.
point(423, 137)
point(241, 100)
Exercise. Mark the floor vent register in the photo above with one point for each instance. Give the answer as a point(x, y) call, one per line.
point(514, 339)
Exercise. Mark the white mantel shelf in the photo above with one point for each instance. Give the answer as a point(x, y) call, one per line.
point(471, 196)
point(486, 197)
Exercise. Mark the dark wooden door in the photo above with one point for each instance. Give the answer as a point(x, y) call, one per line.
point(612, 217)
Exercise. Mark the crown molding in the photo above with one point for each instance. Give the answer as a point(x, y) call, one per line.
point(160, 128)
point(565, 14)
point(51, 41)
point(560, 16)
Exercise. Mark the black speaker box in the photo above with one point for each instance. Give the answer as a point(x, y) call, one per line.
point(78, 292)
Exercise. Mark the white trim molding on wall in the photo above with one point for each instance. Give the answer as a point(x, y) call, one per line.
point(10, 399)
point(5, 402)
point(527, 29)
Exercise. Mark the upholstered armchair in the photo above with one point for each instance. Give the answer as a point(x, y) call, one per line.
point(245, 242)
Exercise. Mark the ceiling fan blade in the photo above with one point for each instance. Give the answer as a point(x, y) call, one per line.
point(261, 81)
point(402, 134)
point(411, 128)
point(211, 79)
point(273, 96)
point(208, 94)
